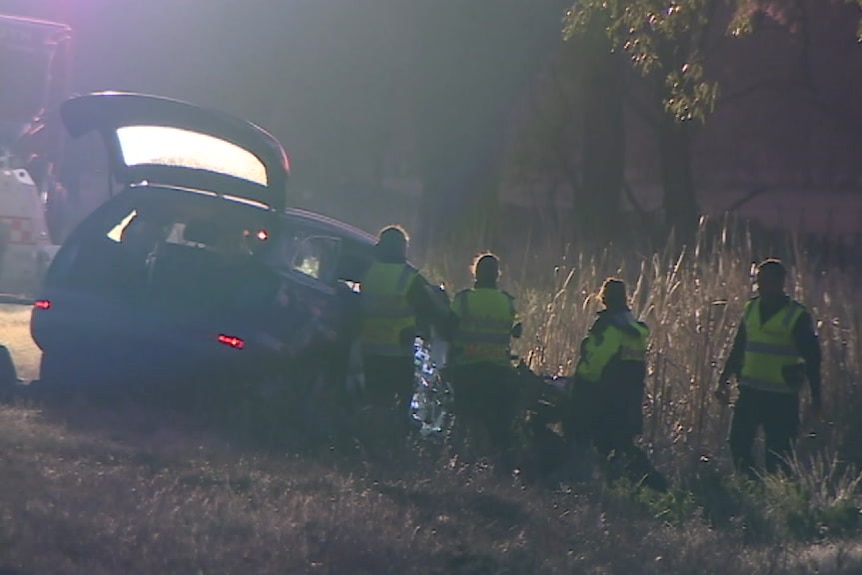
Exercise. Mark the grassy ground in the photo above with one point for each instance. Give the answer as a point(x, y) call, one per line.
point(15, 334)
point(124, 489)
point(93, 491)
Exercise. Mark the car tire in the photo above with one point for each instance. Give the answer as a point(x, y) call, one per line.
point(8, 374)
point(59, 377)
point(53, 369)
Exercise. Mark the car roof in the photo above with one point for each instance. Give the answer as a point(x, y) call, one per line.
point(315, 219)
point(200, 191)
point(326, 223)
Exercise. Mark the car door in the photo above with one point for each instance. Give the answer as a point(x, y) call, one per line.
point(305, 304)
point(147, 266)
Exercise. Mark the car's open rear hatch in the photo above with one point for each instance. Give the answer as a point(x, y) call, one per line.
point(164, 141)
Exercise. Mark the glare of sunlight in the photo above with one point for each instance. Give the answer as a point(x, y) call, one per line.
point(116, 233)
point(169, 146)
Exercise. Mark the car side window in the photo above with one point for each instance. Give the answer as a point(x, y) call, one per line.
point(317, 257)
point(113, 255)
point(354, 261)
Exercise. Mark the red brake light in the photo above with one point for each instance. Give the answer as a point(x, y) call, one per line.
point(233, 341)
point(42, 304)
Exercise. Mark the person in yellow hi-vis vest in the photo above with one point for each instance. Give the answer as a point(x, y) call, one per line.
point(480, 368)
point(395, 302)
point(608, 388)
point(774, 351)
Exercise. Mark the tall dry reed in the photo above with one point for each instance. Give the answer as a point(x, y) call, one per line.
point(692, 298)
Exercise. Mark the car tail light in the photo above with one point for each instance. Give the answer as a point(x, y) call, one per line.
point(231, 340)
point(42, 304)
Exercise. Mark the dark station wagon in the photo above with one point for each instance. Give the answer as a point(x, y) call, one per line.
point(196, 266)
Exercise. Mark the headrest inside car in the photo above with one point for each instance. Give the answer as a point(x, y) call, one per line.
point(201, 232)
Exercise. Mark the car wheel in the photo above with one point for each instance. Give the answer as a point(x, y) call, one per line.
point(8, 374)
point(60, 377)
point(54, 369)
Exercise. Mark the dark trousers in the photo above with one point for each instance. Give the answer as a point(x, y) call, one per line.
point(486, 395)
point(609, 415)
point(389, 382)
point(778, 413)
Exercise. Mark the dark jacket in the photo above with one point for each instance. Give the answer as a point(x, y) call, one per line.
point(613, 405)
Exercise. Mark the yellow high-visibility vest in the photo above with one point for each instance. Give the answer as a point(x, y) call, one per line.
point(769, 347)
point(599, 349)
point(386, 313)
point(485, 320)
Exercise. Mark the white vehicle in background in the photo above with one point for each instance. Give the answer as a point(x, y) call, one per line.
point(25, 245)
point(34, 65)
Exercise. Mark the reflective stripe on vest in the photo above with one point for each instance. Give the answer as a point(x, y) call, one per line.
point(486, 316)
point(769, 347)
point(386, 313)
point(632, 354)
point(598, 350)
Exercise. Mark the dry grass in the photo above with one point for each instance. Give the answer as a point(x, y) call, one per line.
point(693, 299)
point(94, 490)
point(15, 334)
point(83, 496)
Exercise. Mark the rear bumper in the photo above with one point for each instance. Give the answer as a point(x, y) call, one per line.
point(127, 363)
point(119, 348)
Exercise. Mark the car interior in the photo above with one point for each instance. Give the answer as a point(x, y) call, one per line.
point(189, 253)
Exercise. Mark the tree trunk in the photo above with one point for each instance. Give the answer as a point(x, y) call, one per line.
point(460, 182)
point(599, 207)
point(472, 62)
point(680, 202)
point(452, 96)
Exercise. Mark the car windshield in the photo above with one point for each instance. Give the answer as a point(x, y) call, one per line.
point(169, 146)
point(177, 249)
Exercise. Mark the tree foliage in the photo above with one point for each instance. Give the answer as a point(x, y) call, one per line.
point(668, 37)
point(659, 37)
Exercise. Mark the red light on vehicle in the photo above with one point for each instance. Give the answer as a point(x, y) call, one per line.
point(233, 341)
point(42, 304)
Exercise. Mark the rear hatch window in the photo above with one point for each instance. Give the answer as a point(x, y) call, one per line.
point(170, 249)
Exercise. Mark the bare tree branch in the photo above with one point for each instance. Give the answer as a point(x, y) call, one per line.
point(630, 196)
point(776, 84)
point(711, 9)
point(564, 160)
point(746, 198)
point(558, 158)
point(845, 119)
